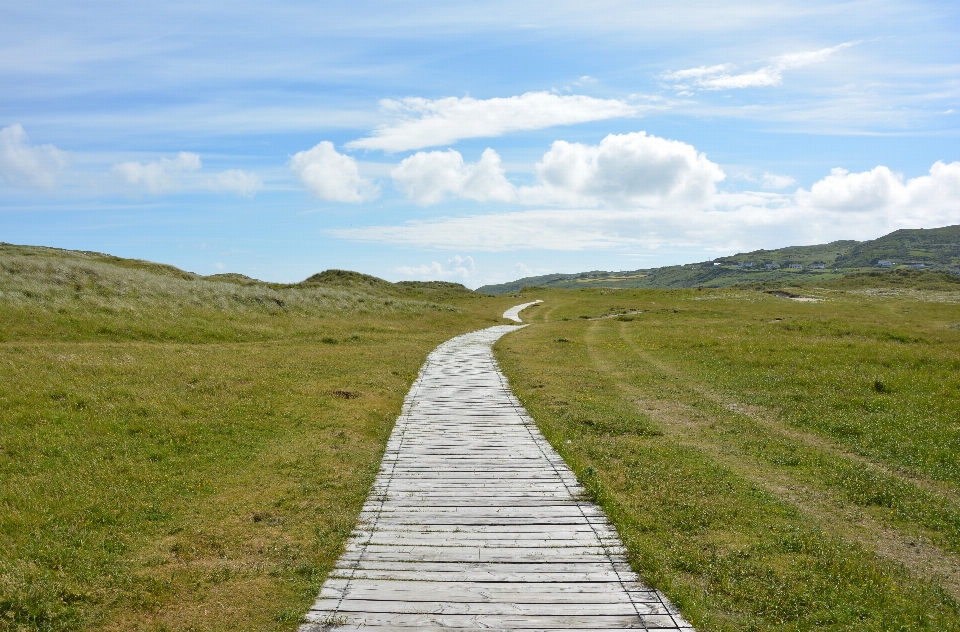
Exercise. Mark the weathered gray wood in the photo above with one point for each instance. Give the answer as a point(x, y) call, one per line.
point(489, 592)
point(514, 312)
point(503, 622)
point(403, 606)
point(475, 522)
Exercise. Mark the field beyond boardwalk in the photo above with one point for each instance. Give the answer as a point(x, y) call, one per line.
point(770, 464)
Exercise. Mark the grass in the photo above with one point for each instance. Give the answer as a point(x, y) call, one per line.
point(188, 453)
point(770, 464)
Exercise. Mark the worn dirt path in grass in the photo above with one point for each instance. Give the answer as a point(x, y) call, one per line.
point(475, 522)
point(824, 507)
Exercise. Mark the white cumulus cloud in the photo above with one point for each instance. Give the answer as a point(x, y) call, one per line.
point(29, 165)
point(161, 176)
point(929, 200)
point(842, 205)
point(624, 170)
point(721, 77)
point(432, 122)
point(456, 268)
point(331, 175)
point(428, 177)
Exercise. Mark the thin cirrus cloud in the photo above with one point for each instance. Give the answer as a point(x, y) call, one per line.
point(25, 165)
point(860, 205)
point(776, 181)
point(622, 170)
point(160, 176)
point(169, 175)
point(435, 122)
point(331, 175)
point(238, 181)
point(501, 232)
point(722, 77)
point(456, 267)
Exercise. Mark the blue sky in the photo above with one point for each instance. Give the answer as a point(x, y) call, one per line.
point(476, 142)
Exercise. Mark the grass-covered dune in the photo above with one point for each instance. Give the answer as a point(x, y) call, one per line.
point(189, 453)
point(771, 464)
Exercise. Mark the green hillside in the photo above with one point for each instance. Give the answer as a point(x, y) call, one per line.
point(938, 249)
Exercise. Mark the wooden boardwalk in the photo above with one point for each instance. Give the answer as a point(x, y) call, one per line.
point(514, 312)
point(475, 522)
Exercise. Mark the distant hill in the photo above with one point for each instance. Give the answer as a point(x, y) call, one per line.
point(937, 249)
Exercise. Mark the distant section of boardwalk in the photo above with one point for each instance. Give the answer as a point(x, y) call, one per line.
point(514, 312)
point(475, 522)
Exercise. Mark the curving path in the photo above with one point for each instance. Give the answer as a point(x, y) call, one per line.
point(475, 522)
point(514, 312)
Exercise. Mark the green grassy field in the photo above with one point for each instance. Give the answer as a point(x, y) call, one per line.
point(771, 464)
point(189, 453)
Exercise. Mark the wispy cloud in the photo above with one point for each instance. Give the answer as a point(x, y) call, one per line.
point(775, 181)
point(178, 174)
point(457, 267)
point(160, 176)
point(237, 181)
point(722, 77)
point(25, 165)
point(500, 232)
point(430, 123)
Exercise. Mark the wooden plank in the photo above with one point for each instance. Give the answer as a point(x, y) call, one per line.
point(570, 607)
point(499, 621)
point(608, 592)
